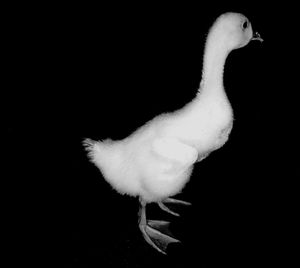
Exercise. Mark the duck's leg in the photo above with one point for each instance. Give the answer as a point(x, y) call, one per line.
point(172, 201)
point(156, 233)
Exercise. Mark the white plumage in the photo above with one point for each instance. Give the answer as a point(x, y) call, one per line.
point(155, 162)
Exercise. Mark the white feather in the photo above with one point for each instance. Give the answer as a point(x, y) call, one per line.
point(156, 161)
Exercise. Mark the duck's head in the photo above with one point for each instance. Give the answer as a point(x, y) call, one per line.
point(235, 30)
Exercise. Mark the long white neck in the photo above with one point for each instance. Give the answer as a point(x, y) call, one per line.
point(215, 55)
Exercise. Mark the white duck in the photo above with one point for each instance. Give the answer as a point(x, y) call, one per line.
point(155, 162)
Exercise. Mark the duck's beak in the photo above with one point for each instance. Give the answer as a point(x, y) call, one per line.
point(256, 36)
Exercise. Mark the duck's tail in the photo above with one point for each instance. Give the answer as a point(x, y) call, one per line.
point(107, 156)
point(98, 151)
point(89, 145)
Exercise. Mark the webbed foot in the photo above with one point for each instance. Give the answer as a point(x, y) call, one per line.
point(156, 233)
point(172, 201)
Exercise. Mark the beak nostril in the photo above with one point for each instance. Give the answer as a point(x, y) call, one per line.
point(256, 36)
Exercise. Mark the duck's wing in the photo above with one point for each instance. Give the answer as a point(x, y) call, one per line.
point(175, 150)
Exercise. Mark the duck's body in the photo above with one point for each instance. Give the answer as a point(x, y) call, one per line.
point(156, 161)
point(140, 164)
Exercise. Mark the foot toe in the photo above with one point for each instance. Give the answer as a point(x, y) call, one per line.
point(158, 235)
point(160, 239)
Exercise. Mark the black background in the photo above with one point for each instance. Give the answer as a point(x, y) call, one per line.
point(75, 71)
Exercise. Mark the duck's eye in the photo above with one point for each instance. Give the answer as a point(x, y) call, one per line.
point(245, 25)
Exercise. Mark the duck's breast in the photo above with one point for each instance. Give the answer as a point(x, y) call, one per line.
point(203, 124)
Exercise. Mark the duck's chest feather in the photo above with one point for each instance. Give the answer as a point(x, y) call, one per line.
point(205, 125)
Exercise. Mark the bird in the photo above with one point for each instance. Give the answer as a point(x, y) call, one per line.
point(155, 162)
